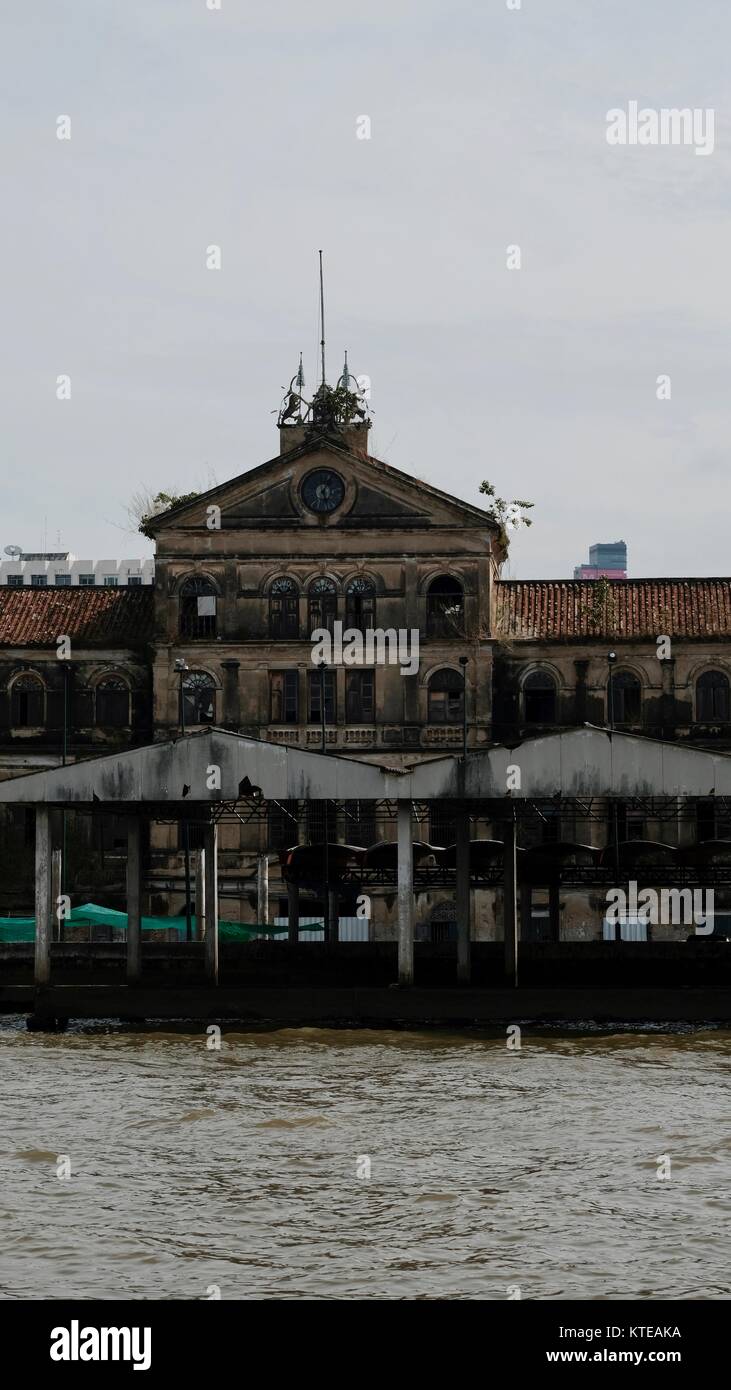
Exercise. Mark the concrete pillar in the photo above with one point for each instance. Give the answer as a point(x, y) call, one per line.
point(293, 913)
point(262, 890)
point(56, 869)
point(134, 898)
point(463, 897)
point(405, 895)
point(211, 927)
point(43, 905)
point(510, 903)
point(200, 895)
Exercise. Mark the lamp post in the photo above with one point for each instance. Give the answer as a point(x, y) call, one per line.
point(181, 666)
point(611, 658)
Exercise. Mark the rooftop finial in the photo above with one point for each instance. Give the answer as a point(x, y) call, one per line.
point(294, 405)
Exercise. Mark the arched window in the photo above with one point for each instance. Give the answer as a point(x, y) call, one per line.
point(445, 697)
point(360, 605)
point(445, 607)
point(625, 698)
point(539, 698)
point(284, 610)
point(199, 698)
point(197, 608)
point(112, 702)
point(28, 703)
point(712, 698)
point(323, 604)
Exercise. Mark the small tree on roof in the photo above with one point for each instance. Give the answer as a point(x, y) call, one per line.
point(145, 507)
point(508, 515)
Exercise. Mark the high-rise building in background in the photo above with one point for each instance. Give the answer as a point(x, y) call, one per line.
point(607, 560)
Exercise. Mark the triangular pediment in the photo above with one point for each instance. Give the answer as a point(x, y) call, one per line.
point(372, 503)
point(375, 495)
point(268, 502)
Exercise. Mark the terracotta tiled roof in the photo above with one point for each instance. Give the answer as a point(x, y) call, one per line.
point(109, 617)
point(538, 608)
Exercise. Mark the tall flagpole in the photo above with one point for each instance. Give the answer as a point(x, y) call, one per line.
point(322, 320)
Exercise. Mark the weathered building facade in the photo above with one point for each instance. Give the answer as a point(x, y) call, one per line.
point(75, 681)
point(392, 553)
point(325, 534)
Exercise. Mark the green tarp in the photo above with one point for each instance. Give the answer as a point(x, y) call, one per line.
point(23, 928)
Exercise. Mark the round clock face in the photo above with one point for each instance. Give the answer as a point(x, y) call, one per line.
point(323, 491)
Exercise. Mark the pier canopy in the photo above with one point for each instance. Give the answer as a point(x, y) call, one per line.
point(216, 766)
point(210, 767)
point(208, 774)
point(580, 763)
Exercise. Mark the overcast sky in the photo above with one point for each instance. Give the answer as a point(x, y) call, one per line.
point(192, 127)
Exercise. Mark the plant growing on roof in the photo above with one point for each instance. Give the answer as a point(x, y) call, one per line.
point(600, 611)
point(508, 515)
point(145, 508)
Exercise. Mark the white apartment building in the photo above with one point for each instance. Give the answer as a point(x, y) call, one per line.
point(60, 569)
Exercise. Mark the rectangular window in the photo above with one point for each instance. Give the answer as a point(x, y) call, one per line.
point(284, 697)
point(63, 581)
point(110, 581)
point(38, 581)
point(86, 581)
point(196, 834)
point(112, 703)
point(284, 616)
point(283, 824)
point(360, 823)
point(15, 581)
point(360, 697)
point(27, 703)
point(314, 697)
point(630, 824)
point(442, 823)
point(134, 581)
point(322, 822)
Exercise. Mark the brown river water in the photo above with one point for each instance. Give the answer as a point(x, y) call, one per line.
point(311, 1164)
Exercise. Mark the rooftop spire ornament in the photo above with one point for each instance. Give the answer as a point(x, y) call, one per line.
point(332, 409)
point(294, 401)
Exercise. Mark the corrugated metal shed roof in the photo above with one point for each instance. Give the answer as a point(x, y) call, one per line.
point(565, 608)
point(577, 763)
point(112, 617)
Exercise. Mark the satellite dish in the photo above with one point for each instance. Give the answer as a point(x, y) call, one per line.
point(14, 550)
